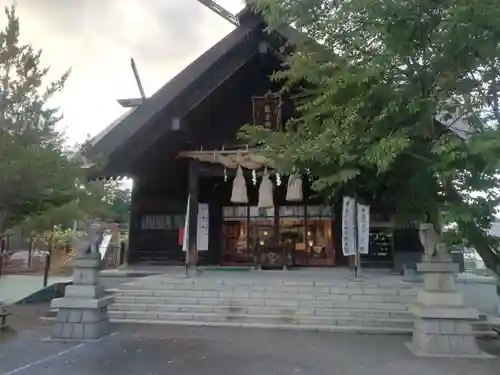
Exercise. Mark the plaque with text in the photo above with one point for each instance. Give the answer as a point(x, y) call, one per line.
point(267, 111)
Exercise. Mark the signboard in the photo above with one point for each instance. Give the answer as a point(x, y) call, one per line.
point(267, 111)
point(103, 247)
point(348, 229)
point(363, 228)
point(202, 230)
point(381, 242)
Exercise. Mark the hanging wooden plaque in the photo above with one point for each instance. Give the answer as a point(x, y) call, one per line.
point(267, 111)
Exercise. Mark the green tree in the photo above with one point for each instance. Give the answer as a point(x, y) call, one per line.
point(113, 204)
point(118, 200)
point(397, 103)
point(41, 182)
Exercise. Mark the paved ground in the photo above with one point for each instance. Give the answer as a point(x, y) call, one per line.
point(148, 350)
point(27, 317)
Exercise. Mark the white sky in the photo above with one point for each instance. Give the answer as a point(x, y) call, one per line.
point(96, 38)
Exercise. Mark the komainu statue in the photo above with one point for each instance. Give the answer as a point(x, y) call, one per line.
point(432, 241)
point(90, 243)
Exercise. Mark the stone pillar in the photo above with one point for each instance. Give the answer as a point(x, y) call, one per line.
point(2, 305)
point(2, 311)
point(498, 306)
point(83, 311)
point(443, 324)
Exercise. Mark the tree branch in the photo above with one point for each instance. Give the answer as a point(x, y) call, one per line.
point(475, 236)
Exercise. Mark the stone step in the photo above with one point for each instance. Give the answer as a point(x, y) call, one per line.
point(267, 282)
point(290, 303)
point(481, 333)
point(265, 310)
point(310, 327)
point(138, 285)
point(405, 299)
point(260, 318)
point(487, 326)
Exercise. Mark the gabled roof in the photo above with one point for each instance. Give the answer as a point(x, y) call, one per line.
point(122, 129)
point(117, 133)
point(114, 136)
point(111, 126)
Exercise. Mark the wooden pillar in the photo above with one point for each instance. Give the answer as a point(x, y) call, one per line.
point(134, 227)
point(192, 250)
point(306, 229)
point(249, 245)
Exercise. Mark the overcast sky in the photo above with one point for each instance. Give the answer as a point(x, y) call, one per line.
point(96, 38)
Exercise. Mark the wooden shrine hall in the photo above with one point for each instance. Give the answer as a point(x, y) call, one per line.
point(199, 194)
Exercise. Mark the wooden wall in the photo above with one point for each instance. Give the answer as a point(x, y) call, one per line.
point(167, 204)
point(160, 191)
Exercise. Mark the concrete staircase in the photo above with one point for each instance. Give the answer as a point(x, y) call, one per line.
point(268, 299)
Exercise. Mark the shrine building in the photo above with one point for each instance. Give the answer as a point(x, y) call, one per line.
point(181, 145)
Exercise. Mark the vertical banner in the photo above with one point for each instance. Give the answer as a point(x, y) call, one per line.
point(202, 230)
point(363, 228)
point(348, 227)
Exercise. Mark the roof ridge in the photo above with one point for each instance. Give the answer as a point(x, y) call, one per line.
point(169, 91)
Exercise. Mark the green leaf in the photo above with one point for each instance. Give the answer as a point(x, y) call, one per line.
point(378, 76)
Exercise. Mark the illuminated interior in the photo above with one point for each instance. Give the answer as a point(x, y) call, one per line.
point(311, 234)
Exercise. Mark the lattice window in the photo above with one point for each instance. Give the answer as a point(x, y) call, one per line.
point(161, 222)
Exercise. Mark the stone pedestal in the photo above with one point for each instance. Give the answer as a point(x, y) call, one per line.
point(3, 323)
point(192, 270)
point(83, 311)
point(442, 321)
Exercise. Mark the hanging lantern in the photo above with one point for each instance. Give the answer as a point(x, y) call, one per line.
point(294, 189)
point(266, 192)
point(239, 194)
